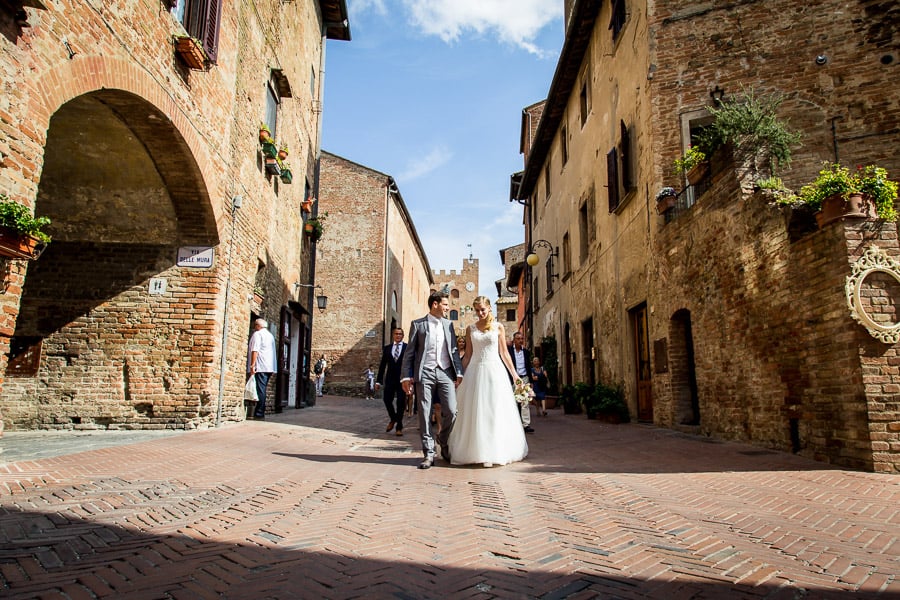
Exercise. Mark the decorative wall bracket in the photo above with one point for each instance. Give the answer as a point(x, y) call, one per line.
point(874, 260)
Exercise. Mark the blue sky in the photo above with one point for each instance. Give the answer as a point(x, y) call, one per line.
point(431, 92)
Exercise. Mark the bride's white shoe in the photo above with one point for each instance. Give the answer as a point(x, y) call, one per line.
point(488, 465)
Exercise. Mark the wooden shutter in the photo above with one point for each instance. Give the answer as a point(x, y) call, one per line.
point(627, 159)
point(612, 178)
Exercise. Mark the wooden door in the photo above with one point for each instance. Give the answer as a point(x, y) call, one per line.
point(642, 363)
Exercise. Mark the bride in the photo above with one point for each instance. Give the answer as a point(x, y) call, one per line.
point(488, 427)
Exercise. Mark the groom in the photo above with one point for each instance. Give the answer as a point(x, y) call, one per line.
point(431, 363)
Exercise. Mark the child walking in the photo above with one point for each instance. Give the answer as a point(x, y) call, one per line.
point(369, 374)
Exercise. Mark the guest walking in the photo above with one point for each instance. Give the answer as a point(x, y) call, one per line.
point(389, 376)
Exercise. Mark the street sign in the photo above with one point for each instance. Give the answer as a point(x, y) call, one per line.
point(195, 257)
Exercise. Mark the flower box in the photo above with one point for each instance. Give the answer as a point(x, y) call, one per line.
point(17, 245)
point(190, 50)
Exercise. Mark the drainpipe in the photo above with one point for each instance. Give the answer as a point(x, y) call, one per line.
point(236, 202)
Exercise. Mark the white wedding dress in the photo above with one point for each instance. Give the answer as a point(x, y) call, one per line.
point(488, 428)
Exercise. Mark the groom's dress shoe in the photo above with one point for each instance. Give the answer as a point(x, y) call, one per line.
point(445, 455)
point(529, 430)
point(426, 464)
point(389, 427)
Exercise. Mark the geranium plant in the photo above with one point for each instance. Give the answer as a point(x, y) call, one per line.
point(837, 180)
point(691, 158)
point(19, 218)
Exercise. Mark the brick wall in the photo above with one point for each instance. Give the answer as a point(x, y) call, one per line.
point(778, 359)
point(181, 145)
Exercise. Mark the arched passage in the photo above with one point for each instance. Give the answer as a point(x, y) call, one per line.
point(684, 376)
point(110, 329)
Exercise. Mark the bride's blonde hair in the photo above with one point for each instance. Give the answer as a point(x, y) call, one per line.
point(489, 320)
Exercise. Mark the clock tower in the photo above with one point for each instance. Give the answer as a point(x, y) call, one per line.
point(462, 288)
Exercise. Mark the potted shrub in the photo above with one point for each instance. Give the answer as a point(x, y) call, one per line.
point(283, 152)
point(692, 164)
point(22, 235)
point(259, 294)
point(569, 401)
point(749, 123)
point(837, 192)
point(665, 199)
point(607, 402)
point(306, 205)
point(314, 227)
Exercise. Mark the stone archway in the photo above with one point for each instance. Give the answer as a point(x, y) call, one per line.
point(110, 331)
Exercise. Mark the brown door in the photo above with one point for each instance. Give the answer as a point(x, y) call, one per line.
point(642, 361)
point(283, 357)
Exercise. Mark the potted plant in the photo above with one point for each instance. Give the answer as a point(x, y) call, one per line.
point(306, 205)
point(22, 234)
point(749, 123)
point(264, 132)
point(837, 192)
point(314, 226)
point(607, 402)
point(692, 164)
point(665, 199)
point(283, 152)
point(569, 402)
point(259, 294)
point(286, 175)
point(191, 51)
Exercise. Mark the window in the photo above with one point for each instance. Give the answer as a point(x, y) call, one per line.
point(583, 231)
point(583, 101)
point(547, 179)
point(510, 314)
point(627, 158)
point(200, 19)
point(617, 22)
point(620, 168)
point(564, 144)
point(454, 293)
point(548, 273)
point(612, 178)
point(272, 102)
point(566, 257)
point(454, 315)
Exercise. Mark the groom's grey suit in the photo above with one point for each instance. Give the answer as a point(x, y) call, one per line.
point(432, 380)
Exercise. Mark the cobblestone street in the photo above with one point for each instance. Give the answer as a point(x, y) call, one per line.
point(321, 503)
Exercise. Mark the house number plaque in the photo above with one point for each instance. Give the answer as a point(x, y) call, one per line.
point(874, 260)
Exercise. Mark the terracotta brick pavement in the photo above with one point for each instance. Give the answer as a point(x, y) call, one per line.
point(321, 503)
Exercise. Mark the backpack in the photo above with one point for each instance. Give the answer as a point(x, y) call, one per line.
point(318, 368)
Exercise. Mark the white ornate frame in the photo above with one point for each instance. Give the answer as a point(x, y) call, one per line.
point(874, 260)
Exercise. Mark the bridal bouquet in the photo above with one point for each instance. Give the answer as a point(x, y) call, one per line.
point(522, 391)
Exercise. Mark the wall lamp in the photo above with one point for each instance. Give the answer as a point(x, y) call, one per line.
point(321, 298)
point(717, 95)
point(533, 259)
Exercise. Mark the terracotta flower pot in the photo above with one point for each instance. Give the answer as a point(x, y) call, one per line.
point(698, 172)
point(835, 207)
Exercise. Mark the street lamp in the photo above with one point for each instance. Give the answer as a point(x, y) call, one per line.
point(533, 259)
point(321, 298)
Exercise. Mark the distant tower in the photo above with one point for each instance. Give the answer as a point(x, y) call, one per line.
point(462, 287)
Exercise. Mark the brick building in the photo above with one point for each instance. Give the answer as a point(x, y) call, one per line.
point(372, 265)
point(462, 286)
point(135, 127)
point(729, 318)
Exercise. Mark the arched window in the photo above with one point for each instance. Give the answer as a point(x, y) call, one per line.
point(454, 315)
point(394, 301)
point(454, 293)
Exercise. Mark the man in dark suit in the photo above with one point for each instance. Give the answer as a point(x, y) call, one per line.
point(389, 378)
point(431, 364)
point(521, 358)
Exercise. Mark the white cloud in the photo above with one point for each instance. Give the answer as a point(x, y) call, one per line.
point(426, 164)
point(515, 22)
point(357, 7)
